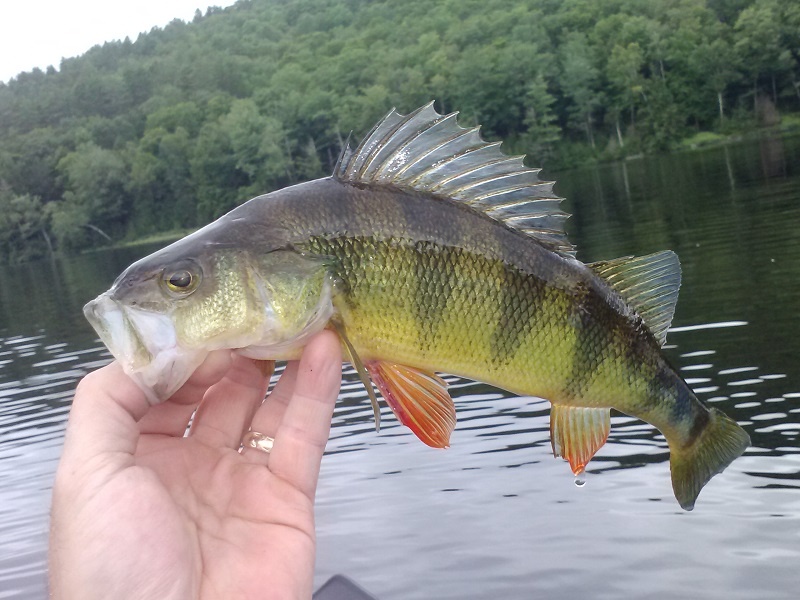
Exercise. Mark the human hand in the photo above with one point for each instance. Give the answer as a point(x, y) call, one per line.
point(140, 511)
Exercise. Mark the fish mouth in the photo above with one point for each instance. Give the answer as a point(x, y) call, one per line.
point(145, 344)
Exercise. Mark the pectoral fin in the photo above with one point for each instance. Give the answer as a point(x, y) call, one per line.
point(578, 433)
point(418, 398)
point(362, 373)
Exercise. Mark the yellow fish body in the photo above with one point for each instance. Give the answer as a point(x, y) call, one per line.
point(428, 250)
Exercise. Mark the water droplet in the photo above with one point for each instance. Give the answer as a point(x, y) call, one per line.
point(580, 480)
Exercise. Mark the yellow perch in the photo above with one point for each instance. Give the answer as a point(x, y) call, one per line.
point(428, 250)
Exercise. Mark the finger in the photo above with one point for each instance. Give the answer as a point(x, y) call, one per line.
point(104, 417)
point(171, 417)
point(268, 416)
point(228, 407)
point(303, 432)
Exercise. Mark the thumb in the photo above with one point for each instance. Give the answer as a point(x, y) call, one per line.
point(104, 418)
point(108, 406)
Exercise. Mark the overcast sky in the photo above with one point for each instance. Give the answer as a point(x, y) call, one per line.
point(38, 33)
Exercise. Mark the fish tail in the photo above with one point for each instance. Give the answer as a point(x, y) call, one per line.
point(720, 442)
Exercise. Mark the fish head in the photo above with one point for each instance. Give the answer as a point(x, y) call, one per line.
point(166, 312)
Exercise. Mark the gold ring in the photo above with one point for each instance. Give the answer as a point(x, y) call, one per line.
point(259, 441)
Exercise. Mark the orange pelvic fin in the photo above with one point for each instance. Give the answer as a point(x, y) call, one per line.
point(418, 398)
point(578, 433)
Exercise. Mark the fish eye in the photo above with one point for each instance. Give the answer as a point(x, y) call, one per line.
point(181, 281)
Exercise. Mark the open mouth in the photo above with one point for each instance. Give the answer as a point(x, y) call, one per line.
point(145, 344)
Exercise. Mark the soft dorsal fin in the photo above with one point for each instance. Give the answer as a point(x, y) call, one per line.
point(649, 284)
point(425, 151)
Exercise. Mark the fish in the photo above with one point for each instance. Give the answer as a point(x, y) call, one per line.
point(429, 251)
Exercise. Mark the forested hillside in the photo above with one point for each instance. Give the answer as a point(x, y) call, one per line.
point(177, 127)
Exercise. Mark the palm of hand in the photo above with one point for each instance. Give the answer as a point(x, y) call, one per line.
point(230, 524)
point(193, 517)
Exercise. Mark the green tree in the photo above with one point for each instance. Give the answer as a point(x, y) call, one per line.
point(542, 131)
point(214, 172)
point(30, 163)
point(307, 164)
point(259, 147)
point(96, 201)
point(190, 119)
point(758, 45)
point(626, 80)
point(186, 115)
point(789, 19)
point(23, 227)
point(580, 83)
point(660, 122)
point(714, 65)
point(161, 184)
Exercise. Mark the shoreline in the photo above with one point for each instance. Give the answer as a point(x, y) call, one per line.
point(703, 140)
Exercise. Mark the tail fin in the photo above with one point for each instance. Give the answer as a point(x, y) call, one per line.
point(715, 448)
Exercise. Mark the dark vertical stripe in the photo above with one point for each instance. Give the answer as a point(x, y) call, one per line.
point(519, 298)
point(434, 272)
point(667, 387)
point(513, 319)
point(434, 265)
point(594, 326)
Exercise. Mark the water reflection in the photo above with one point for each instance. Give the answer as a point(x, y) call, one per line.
point(773, 157)
point(37, 379)
point(496, 512)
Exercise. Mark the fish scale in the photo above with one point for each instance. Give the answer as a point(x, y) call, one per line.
point(523, 341)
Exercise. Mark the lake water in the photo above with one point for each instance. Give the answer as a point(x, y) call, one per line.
point(496, 515)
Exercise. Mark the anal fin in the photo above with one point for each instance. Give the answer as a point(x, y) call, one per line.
point(418, 398)
point(577, 433)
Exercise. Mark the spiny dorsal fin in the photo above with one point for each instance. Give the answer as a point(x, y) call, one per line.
point(425, 151)
point(345, 154)
point(649, 284)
